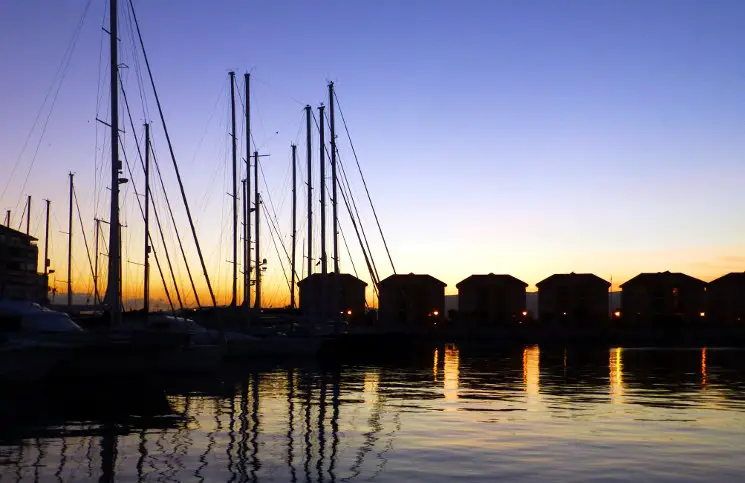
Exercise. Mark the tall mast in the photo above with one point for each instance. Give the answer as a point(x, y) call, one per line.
point(96, 296)
point(294, 224)
point(245, 251)
point(336, 289)
point(46, 243)
point(112, 288)
point(146, 281)
point(310, 190)
point(247, 199)
point(28, 215)
point(322, 163)
point(335, 216)
point(69, 246)
point(235, 194)
point(258, 264)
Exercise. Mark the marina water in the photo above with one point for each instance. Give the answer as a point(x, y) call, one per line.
point(452, 413)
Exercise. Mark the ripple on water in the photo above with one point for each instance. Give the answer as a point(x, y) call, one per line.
point(525, 415)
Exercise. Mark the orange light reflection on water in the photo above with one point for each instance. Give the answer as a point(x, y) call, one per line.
point(532, 369)
point(451, 373)
point(703, 368)
point(371, 386)
point(615, 365)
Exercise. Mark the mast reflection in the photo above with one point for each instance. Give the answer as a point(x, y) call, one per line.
point(615, 366)
point(291, 425)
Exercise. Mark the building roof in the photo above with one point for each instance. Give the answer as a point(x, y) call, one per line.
point(662, 277)
point(558, 278)
point(490, 279)
point(732, 277)
point(410, 277)
point(343, 278)
point(4, 230)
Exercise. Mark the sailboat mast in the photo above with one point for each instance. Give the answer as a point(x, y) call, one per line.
point(245, 251)
point(46, 243)
point(235, 194)
point(112, 288)
point(257, 208)
point(69, 246)
point(247, 198)
point(310, 190)
point(322, 163)
point(146, 280)
point(334, 214)
point(294, 224)
point(96, 296)
point(28, 215)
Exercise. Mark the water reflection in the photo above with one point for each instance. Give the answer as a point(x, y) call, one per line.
point(451, 373)
point(314, 424)
point(615, 365)
point(532, 370)
point(436, 365)
point(703, 368)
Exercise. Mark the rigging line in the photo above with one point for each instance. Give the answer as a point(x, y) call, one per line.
point(136, 62)
point(61, 73)
point(364, 252)
point(98, 105)
point(380, 229)
point(345, 179)
point(165, 194)
point(341, 232)
point(150, 237)
point(349, 253)
point(275, 219)
point(20, 220)
point(276, 249)
point(152, 244)
point(85, 238)
point(173, 155)
point(374, 274)
point(253, 76)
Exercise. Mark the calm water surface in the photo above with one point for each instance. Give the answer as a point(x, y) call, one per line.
point(447, 415)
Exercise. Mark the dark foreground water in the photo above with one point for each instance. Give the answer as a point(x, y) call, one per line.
point(527, 414)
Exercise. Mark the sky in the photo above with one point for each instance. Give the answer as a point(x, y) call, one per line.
point(527, 138)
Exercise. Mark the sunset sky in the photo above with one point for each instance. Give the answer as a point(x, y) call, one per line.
point(526, 138)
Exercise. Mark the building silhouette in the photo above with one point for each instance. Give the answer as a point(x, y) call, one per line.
point(18, 260)
point(489, 300)
point(411, 300)
point(573, 298)
point(661, 297)
point(345, 296)
point(726, 299)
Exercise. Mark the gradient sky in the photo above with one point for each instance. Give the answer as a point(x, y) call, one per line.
point(496, 136)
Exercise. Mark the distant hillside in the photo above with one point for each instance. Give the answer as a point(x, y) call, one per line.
point(531, 301)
